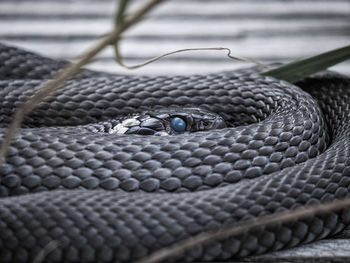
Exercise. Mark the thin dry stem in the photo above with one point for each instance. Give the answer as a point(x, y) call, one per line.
point(240, 228)
point(191, 49)
point(67, 73)
point(50, 247)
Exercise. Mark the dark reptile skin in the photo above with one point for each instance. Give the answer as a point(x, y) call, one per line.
point(118, 198)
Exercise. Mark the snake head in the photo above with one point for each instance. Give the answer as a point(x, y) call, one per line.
point(170, 121)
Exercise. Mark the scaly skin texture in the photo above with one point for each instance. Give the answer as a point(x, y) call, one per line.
point(107, 197)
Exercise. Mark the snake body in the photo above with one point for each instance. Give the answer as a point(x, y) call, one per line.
point(117, 198)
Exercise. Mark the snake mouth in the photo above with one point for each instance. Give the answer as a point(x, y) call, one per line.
point(170, 121)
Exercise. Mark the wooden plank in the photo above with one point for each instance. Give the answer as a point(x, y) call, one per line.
point(250, 47)
point(181, 29)
point(268, 8)
point(190, 62)
point(333, 250)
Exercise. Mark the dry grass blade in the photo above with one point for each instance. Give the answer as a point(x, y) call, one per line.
point(49, 248)
point(118, 20)
point(190, 49)
point(67, 73)
point(240, 228)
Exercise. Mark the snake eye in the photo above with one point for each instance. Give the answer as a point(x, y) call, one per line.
point(178, 124)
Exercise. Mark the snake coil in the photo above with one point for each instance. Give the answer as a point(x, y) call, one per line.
point(117, 198)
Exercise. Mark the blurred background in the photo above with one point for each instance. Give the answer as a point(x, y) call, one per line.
point(265, 30)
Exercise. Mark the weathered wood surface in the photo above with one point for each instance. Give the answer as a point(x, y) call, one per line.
point(266, 30)
point(336, 249)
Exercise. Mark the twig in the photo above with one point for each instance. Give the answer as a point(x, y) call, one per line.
point(240, 228)
point(51, 246)
point(190, 49)
point(68, 72)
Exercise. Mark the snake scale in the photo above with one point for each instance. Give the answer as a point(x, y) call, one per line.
point(117, 198)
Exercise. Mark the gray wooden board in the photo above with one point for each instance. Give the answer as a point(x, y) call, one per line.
point(266, 30)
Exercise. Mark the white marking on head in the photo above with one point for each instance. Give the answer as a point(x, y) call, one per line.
point(124, 126)
point(131, 122)
point(120, 129)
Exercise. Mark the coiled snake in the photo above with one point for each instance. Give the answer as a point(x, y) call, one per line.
point(108, 197)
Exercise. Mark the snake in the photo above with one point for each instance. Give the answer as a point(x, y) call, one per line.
point(115, 167)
